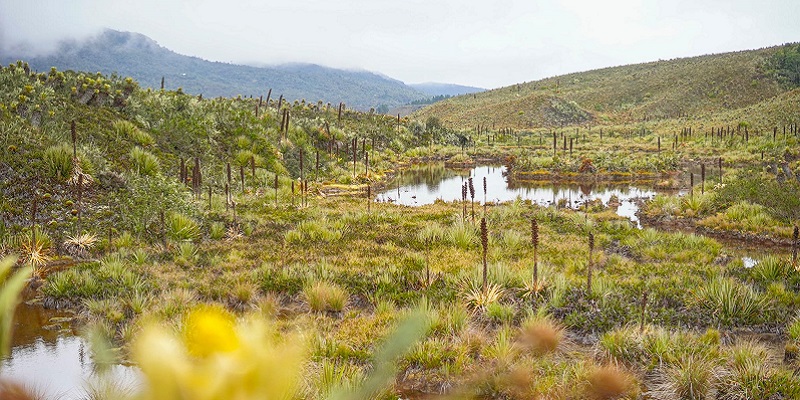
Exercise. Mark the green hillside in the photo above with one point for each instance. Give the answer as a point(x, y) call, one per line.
point(688, 87)
point(130, 143)
point(138, 56)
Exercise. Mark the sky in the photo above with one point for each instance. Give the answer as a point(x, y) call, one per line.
point(480, 43)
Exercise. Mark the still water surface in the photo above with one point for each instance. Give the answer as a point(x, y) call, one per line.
point(425, 184)
point(46, 355)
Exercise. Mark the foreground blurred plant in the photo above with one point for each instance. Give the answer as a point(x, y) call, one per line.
point(218, 357)
point(9, 297)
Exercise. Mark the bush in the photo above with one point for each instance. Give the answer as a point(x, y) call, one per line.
point(105, 280)
point(771, 269)
point(748, 373)
point(128, 130)
point(144, 162)
point(432, 353)
point(624, 344)
point(58, 162)
point(462, 234)
point(731, 301)
point(182, 228)
point(785, 64)
point(217, 230)
point(283, 280)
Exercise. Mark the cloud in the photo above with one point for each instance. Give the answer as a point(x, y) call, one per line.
point(35, 27)
point(472, 42)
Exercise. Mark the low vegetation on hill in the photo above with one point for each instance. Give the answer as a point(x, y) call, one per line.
point(692, 88)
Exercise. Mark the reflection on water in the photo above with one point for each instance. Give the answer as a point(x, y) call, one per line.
point(425, 184)
point(47, 356)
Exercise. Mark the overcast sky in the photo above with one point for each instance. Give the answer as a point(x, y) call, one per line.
point(472, 42)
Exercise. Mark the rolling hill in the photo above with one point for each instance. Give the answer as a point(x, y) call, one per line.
point(138, 56)
point(686, 87)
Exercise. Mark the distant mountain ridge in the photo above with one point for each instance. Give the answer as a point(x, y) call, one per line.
point(444, 89)
point(138, 56)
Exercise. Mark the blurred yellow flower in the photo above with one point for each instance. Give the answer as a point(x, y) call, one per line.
point(210, 330)
point(217, 358)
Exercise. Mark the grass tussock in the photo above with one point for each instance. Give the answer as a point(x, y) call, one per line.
point(730, 301)
point(182, 228)
point(691, 377)
point(611, 382)
point(542, 335)
point(144, 162)
point(325, 296)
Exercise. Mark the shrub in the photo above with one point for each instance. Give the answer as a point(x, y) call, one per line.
point(186, 254)
point(144, 162)
point(624, 344)
point(696, 205)
point(107, 279)
point(80, 246)
point(503, 349)
point(478, 298)
point(771, 269)
point(58, 161)
point(140, 256)
point(332, 377)
point(511, 240)
point(430, 233)
point(282, 280)
point(432, 353)
point(780, 200)
point(128, 130)
point(730, 300)
point(450, 320)
point(138, 302)
point(784, 64)
point(217, 230)
point(124, 241)
point(462, 235)
point(311, 231)
point(182, 228)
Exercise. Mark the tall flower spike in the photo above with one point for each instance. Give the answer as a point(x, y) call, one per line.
point(471, 188)
point(485, 245)
point(535, 242)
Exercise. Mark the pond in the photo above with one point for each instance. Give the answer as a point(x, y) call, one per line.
point(48, 356)
point(425, 184)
